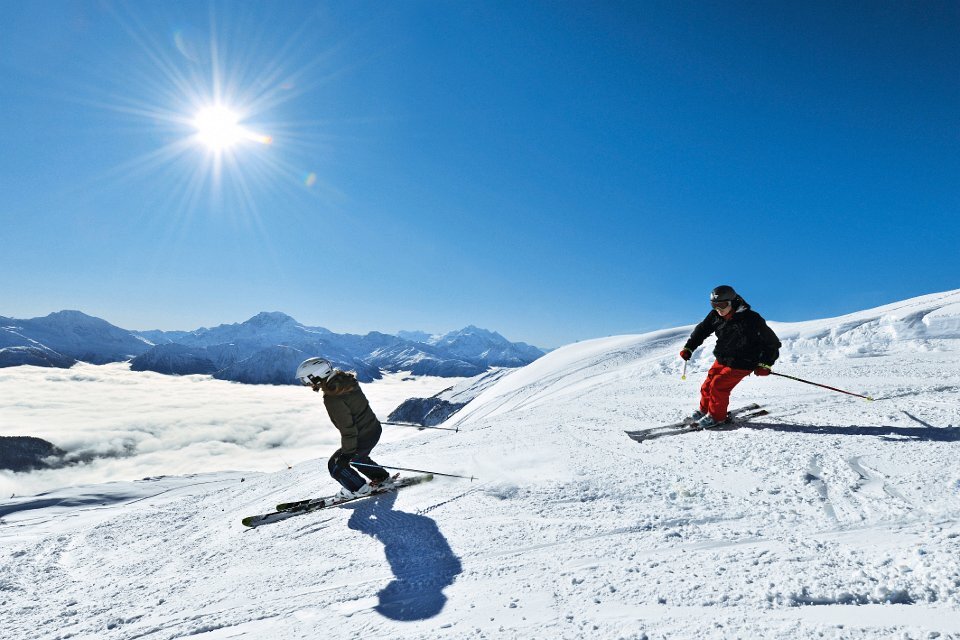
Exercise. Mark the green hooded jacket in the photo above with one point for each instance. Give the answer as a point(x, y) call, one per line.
point(350, 412)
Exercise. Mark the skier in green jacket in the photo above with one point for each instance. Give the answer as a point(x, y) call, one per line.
point(359, 428)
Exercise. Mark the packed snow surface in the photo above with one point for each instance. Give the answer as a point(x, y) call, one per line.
point(831, 517)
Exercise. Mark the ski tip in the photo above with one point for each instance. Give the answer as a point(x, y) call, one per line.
point(248, 522)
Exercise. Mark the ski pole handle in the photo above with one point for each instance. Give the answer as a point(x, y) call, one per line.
point(435, 473)
point(420, 426)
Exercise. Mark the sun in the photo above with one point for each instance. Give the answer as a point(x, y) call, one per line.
point(218, 128)
point(218, 116)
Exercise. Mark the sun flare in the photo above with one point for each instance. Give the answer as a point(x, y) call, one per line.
point(221, 115)
point(218, 128)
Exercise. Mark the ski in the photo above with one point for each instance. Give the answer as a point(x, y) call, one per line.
point(738, 416)
point(689, 422)
point(733, 423)
point(301, 507)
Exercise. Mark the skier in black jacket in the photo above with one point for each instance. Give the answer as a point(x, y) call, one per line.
point(745, 344)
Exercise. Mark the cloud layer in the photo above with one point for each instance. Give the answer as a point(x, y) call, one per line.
point(140, 424)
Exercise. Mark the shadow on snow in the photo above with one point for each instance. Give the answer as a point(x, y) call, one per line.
point(420, 557)
point(38, 502)
point(925, 433)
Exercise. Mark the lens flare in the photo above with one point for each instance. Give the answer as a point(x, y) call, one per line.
point(188, 42)
point(258, 137)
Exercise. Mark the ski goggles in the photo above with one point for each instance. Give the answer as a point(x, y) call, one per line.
point(720, 304)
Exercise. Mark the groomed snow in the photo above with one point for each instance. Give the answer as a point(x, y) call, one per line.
point(832, 517)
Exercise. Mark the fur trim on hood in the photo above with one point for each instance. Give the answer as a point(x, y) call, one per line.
point(339, 384)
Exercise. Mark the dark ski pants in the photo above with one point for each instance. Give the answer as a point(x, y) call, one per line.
point(349, 478)
point(715, 392)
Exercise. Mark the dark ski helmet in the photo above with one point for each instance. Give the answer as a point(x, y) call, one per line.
point(723, 293)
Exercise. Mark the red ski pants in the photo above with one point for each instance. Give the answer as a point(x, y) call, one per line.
point(715, 392)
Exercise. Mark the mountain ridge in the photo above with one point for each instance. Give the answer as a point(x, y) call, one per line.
point(263, 349)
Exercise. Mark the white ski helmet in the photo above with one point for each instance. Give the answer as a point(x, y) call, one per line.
point(312, 370)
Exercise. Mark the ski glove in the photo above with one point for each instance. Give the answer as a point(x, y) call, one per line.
point(762, 370)
point(686, 353)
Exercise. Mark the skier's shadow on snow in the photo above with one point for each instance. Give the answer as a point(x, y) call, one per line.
point(926, 433)
point(420, 557)
point(93, 500)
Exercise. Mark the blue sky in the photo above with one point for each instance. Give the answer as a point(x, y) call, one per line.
point(555, 171)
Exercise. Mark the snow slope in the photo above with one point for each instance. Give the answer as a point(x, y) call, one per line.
point(831, 517)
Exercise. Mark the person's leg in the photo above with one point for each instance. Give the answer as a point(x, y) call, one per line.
point(367, 441)
point(344, 474)
point(376, 473)
point(721, 385)
point(705, 388)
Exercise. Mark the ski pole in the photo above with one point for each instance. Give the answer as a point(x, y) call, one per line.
point(419, 426)
point(684, 376)
point(774, 373)
point(374, 466)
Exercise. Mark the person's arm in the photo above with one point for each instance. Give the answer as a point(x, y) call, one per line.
point(700, 333)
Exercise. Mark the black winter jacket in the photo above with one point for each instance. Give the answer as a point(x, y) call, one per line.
point(743, 342)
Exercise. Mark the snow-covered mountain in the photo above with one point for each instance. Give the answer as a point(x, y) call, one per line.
point(68, 336)
point(416, 336)
point(474, 344)
point(259, 350)
point(14, 353)
point(266, 366)
point(832, 517)
point(175, 359)
point(266, 329)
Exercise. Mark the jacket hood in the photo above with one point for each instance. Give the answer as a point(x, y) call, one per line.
point(339, 384)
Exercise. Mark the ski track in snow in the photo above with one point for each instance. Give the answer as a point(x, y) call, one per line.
point(831, 517)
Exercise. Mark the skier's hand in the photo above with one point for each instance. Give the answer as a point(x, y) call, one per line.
point(686, 353)
point(344, 458)
point(762, 370)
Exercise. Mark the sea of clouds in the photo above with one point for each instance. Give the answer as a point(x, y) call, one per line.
point(126, 425)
